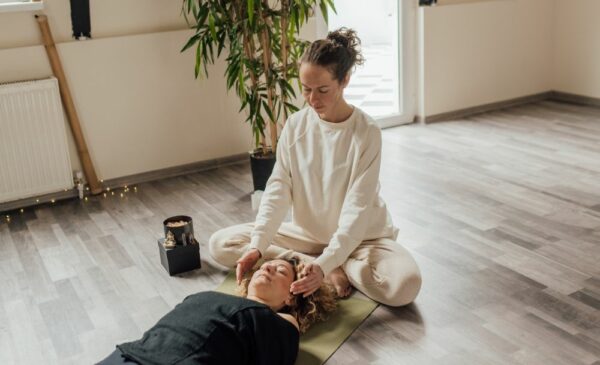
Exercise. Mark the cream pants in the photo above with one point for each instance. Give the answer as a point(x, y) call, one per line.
point(381, 269)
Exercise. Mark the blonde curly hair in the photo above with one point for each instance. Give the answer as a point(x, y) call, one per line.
point(314, 308)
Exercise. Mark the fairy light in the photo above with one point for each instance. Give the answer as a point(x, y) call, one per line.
point(112, 193)
point(135, 189)
point(104, 194)
point(53, 201)
point(122, 195)
point(86, 198)
point(37, 200)
point(22, 210)
point(107, 189)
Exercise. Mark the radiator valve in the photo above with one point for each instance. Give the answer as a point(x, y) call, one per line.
point(79, 183)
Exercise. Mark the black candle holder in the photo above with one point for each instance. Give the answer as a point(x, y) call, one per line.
point(184, 233)
point(185, 254)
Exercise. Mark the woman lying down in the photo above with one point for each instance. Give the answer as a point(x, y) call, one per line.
point(262, 326)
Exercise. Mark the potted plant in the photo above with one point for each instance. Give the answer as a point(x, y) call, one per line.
point(261, 39)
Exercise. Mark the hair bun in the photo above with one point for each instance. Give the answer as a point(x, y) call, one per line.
point(339, 37)
point(340, 52)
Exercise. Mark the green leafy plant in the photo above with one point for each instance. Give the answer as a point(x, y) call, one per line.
point(261, 38)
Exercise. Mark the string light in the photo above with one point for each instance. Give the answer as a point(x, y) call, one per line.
point(125, 188)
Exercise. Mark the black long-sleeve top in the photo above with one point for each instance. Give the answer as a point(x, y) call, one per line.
point(216, 328)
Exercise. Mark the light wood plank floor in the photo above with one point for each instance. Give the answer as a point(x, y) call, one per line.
point(501, 211)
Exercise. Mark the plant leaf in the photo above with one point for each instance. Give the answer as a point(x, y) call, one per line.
point(198, 59)
point(211, 24)
point(190, 42)
point(323, 7)
point(332, 5)
point(251, 11)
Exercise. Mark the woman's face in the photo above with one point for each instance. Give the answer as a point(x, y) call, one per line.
point(321, 90)
point(272, 282)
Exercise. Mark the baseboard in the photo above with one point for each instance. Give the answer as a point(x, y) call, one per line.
point(218, 162)
point(7, 207)
point(574, 99)
point(175, 171)
point(467, 112)
point(548, 95)
point(127, 180)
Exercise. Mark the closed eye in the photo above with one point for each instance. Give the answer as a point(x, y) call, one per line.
point(321, 91)
point(283, 270)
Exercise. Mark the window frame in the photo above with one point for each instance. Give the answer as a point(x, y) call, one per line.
point(20, 5)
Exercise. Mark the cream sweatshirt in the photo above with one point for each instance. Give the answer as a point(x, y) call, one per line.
point(329, 174)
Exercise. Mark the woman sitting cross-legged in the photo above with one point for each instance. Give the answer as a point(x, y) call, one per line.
point(327, 173)
point(261, 326)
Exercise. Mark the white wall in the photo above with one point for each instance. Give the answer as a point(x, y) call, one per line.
point(483, 52)
point(109, 18)
point(140, 107)
point(577, 47)
point(142, 110)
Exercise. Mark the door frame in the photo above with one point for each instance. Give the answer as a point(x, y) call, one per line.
point(407, 63)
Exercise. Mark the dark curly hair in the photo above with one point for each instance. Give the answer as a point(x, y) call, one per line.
point(314, 308)
point(339, 52)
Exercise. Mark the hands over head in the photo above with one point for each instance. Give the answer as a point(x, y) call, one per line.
point(310, 280)
point(246, 263)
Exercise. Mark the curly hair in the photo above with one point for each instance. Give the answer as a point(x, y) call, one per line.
point(339, 52)
point(314, 308)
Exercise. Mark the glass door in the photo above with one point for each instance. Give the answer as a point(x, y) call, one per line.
point(384, 86)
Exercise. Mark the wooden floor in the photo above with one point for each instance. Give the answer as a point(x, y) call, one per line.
point(501, 211)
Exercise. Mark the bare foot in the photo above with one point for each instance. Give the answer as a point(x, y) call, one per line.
point(340, 282)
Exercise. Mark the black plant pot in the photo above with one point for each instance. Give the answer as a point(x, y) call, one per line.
point(262, 167)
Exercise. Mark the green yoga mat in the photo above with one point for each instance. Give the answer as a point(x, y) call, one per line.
point(322, 339)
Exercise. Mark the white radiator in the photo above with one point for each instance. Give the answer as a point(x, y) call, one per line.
point(34, 154)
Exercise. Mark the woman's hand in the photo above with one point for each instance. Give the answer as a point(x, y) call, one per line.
point(311, 280)
point(245, 263)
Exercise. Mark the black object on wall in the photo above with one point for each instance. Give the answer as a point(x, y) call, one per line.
point(80, 18)
point(427, 2)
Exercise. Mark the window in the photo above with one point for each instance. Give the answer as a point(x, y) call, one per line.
point(20, 5)
point(384, 87)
